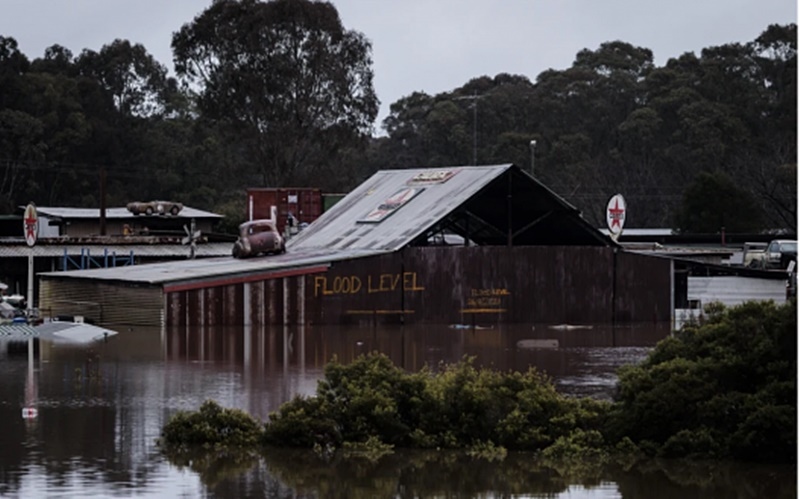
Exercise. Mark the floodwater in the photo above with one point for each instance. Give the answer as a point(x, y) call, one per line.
point(81, 420)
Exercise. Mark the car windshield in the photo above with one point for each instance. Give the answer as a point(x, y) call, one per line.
point(249, 229)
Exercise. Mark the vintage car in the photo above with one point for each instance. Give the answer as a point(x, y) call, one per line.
point(257, 237)
point(154, 207)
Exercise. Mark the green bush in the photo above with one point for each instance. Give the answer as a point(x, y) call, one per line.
point(460, 406)
point(724, 388)
point(212, 425)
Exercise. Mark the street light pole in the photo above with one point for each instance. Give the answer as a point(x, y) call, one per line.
point(474, 98)
point(533, 156)
point(475, 131)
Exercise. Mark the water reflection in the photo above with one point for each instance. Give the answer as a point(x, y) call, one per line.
point(296, 473)
point(101, 408)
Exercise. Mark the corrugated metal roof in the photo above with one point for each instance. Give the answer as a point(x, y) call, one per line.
point(121, 250)
point(94, 213)
point(734, 290)
point(208, 268)
point(429, 204)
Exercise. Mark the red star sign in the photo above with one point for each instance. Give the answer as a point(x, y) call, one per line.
point(30, 227)
point(616, 214)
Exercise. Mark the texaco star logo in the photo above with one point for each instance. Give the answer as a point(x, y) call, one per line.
point(31, 224)
point(616, 215)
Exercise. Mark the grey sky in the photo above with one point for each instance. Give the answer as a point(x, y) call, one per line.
point(427, 45)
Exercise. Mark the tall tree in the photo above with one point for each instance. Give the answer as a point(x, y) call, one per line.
point(294, 84)
point(135, 80)
point(713, 202)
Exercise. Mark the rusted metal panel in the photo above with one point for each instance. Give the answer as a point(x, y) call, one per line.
point(492, 285)
point(643, 288)
point(176, 309)
point(305, 204)
point(363, 291)
point(483, 285)
point(233, 304)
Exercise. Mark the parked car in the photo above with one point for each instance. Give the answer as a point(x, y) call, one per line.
point(257, 237)
point(154, 207)
point(753, 255)
point(779, 253)
point(775, 255)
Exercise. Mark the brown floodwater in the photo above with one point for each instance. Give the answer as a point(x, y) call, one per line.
point(100, 407)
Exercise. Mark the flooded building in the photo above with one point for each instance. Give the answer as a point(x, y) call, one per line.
point(71, 238)
point(458, 245)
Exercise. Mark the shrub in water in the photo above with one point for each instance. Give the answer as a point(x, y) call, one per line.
point(725, 388)
point(212, 425)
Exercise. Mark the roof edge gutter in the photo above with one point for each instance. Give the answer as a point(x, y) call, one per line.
point(263, 276)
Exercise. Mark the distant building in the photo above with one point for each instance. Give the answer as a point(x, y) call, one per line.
point(69, 239)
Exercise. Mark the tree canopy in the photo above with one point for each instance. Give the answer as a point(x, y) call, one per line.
point(285, 77)
point(279, 93)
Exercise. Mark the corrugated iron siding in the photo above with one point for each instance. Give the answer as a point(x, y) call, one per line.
point(272, 301)
point(304, 203)
point(643, 290)
point(435, 285)
point(102, 302)
point(492, 285)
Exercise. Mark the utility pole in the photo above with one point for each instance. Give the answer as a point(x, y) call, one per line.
point(102, 200)
point(474, 98)
point(533, 156)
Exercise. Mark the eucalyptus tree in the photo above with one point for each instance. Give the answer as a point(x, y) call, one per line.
point(136, 82)
point(285, 78)
point(714, 203)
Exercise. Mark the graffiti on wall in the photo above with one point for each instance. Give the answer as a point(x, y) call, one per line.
point(486, 300)
point(379, 283)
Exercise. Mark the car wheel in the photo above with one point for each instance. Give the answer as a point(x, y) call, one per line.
point(237, 251)
point(174, 210)
point(148, 210)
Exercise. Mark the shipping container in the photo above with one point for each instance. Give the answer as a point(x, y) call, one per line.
point(329, 199)
point(302, 203)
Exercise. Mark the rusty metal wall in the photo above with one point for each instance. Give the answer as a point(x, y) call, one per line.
point(304, 203)
point(644, 288)
point(493, 285)
point(279, 300)
point(439, 285)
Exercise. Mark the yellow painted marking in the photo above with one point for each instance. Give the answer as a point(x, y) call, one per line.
point(379, 312)
point(483, 310)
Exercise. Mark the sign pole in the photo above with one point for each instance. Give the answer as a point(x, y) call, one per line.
point(29, 308)
point(30, 225)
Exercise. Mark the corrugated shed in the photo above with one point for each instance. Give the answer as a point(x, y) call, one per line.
point(734, 290)
point(199, 270)
point(118, 250)
point(102, 302)
point(94, 213)
point(345, 225)
point(493, 285)
point(498, 205)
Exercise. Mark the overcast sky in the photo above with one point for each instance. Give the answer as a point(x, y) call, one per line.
point(427, 45)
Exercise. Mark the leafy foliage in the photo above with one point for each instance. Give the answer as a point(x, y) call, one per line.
point(726, 388)
point(459, 407)
point(722, 389)
point(285, 77)
point(211, 426)
point(272, 93)
point(713, 202)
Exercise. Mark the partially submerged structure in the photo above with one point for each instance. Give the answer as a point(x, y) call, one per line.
point(464, 245)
